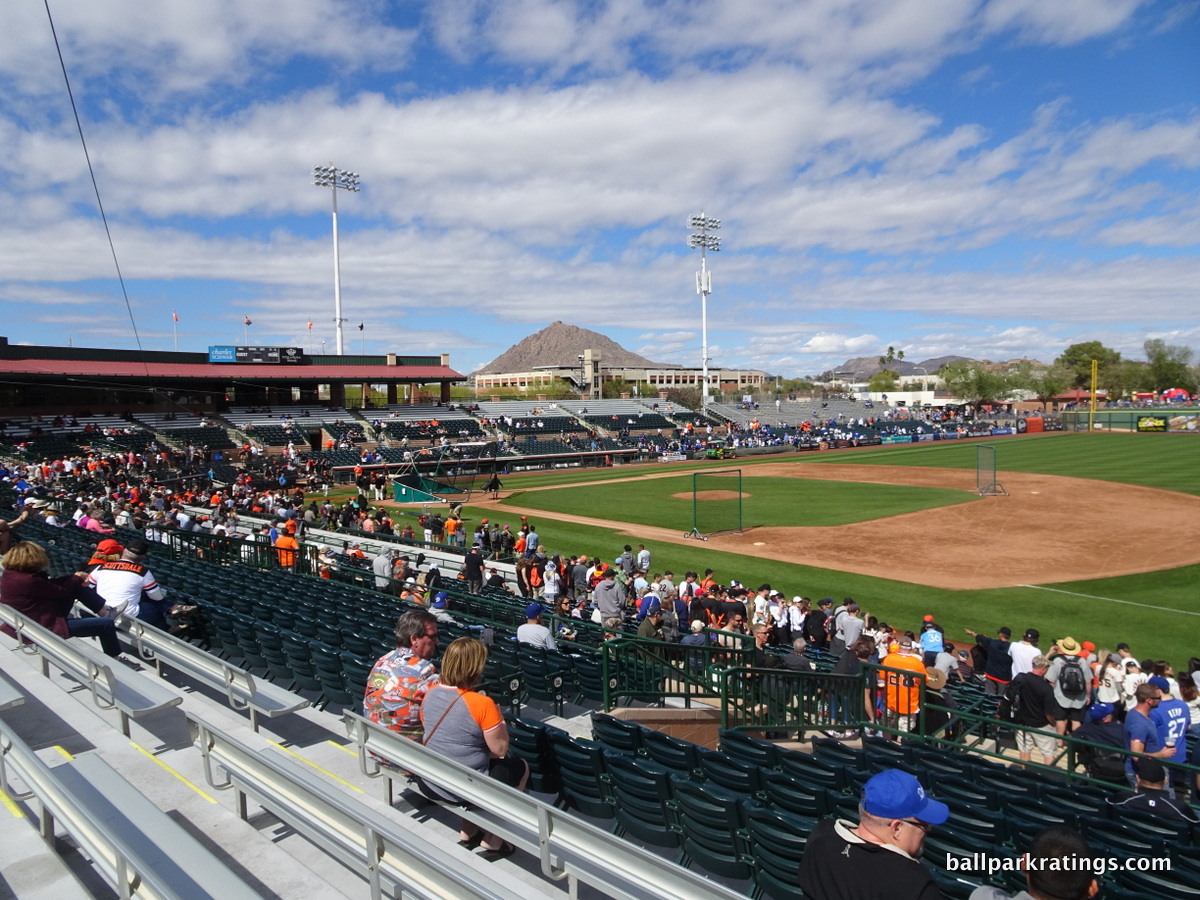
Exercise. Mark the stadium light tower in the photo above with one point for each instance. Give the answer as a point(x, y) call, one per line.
point(336, 179)
point(701, 226)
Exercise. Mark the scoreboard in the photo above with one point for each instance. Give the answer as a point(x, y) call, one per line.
point(257, 355)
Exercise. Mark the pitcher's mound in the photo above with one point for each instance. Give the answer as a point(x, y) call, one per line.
point(710, 495)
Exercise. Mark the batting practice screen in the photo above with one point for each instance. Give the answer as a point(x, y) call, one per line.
point(717, 502)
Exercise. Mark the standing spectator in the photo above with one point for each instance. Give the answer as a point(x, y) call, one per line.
point(609, 601)
point(1172, 719)
point(1024, 651)
point(902, 689)
point(1141, 734)
point(1033, 698)
point(381, 565)
point(473, 565)
point(814, 625)
point(1071, 681)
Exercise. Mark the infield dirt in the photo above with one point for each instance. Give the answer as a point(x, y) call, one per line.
point(1048, 529)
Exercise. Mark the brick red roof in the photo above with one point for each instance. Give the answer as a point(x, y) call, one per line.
point(225, 371)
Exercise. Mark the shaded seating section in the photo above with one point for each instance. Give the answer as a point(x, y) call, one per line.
point(774, 795)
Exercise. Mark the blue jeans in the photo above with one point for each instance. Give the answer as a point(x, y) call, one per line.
point(154, 612)
point(105, 629)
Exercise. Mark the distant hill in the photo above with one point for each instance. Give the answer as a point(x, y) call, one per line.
point(863, 367)
point(560, 345)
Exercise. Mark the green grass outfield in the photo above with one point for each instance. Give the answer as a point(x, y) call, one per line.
point(1157, 613)
point(768, 501)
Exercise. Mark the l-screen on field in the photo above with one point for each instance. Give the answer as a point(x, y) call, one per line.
point(766, 501)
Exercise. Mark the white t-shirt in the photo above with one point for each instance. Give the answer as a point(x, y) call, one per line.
point(1022, 657)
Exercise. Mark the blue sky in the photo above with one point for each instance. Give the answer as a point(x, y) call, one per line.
point(991, 178)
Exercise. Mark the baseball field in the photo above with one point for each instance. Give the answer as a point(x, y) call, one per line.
point(1098, 537)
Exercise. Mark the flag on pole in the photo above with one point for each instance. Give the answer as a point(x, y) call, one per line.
point(248, 322)
point(310, 326)
point(175, 315)
point(360, 326)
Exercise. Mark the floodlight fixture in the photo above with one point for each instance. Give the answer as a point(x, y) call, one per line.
point(336, 179)
point(703, 240)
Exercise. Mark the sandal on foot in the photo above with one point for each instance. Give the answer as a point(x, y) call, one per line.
point(473, 841)
point(504, 851)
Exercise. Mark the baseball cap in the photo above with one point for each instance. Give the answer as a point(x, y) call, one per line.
point(1151, 770)
point(108, 547)
point(904, 643)
point(1088, 646)
point(1099, 710)
point(483, 521)
point(895, 794)
point(439, 600)
point(928, 618)
point(1161, 683)
point(138, 547)
point(1041, 661)
point(533, 610)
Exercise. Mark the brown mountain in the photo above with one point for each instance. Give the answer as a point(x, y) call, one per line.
point(560, 345)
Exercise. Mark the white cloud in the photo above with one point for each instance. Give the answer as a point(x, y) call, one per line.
point(1061, 21)
point(166, 46)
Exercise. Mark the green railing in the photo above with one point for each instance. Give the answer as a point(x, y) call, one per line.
point(650, 671)
point(782, 700)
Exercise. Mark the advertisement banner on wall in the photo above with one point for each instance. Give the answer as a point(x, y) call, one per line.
point(1186, 422)
point(924, 437)
point(999, 431)
point(897, 439)
point(1151, 423)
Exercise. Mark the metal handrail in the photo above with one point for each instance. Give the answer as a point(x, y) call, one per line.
point(566, 846)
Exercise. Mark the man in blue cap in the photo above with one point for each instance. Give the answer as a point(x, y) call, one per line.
point(877, 859)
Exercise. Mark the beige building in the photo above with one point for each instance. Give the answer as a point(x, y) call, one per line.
point(590, 372)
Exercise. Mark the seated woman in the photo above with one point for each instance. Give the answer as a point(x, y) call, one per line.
point(27, 588)
point(467, 727)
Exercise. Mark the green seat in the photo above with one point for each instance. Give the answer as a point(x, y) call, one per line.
point(711, 823)
point(529, 739)
point(298, 651)
point(582, 765)
point(789, 794)
point(619, 734)
point(327, 664)
point(969, 792)
point(680, 756)
point(641, 791)
point(749, 750)
point(735, 775)
point(813, 771)
point(1157, 886)
point(777, 841)
point(834, 752)
point(247, 641)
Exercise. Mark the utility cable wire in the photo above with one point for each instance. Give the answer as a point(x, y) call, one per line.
point(96, 187)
